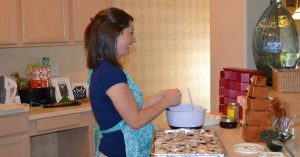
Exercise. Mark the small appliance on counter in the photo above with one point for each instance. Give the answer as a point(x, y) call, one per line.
point(8, 90)
point(38, 96)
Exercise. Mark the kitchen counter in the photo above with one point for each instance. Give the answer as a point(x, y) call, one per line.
point(39, 112)
point(63, 126)
point(229, 138)
point(60, 128)
point(6, 109)
point(47, 132)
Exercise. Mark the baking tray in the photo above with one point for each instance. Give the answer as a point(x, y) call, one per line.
point(187, 143)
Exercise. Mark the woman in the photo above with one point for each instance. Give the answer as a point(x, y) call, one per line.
point(122, 114)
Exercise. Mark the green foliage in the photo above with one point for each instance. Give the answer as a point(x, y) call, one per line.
point(64, 99)
point(269, 135)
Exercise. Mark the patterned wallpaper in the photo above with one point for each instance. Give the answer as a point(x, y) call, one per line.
point(172, 48)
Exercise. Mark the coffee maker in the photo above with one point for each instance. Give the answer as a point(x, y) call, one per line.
point(8, 90)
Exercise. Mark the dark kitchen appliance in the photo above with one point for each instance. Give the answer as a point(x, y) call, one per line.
point(38, 96)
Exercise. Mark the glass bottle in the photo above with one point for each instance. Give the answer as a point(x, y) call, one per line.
point(46, 61)
point(275, 40)
point(233, 111)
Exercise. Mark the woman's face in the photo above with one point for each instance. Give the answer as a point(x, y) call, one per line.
point(125, 39)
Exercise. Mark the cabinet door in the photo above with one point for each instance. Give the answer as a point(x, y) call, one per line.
point(83, 10)
point(8, 31)
point(18, 146)
point(45, 21)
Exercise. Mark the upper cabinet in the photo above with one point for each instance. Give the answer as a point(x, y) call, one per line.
point(82, 12)
point(45, 22)
point(8, 29)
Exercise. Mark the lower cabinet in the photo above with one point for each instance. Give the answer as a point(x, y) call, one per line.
point(18, 146)
point(53, 132)
point(14, 137)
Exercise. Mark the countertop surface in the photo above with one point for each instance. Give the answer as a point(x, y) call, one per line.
point(6, 109)
point(39, 112)
point(229, 137)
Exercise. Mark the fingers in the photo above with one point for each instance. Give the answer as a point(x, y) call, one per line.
point(175, 97)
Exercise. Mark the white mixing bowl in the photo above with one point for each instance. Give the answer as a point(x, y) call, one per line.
point(186, 116)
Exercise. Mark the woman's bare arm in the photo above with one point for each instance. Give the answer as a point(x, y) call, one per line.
point(124, 102)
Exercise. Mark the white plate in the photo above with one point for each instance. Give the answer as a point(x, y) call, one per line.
point(248, 148)
point(270, 154)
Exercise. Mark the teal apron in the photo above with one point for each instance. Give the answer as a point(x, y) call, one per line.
point(137, 142)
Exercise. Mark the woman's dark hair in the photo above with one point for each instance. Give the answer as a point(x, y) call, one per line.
point(100, 36)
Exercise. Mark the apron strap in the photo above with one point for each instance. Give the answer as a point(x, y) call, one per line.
point(90, 76)
point(98, 135)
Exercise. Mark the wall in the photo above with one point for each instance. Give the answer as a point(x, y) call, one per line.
point(232, 29)
point(227, 38)
point(172, 48)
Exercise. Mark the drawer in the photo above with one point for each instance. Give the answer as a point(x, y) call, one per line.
point(58, 123)
point(13, 124)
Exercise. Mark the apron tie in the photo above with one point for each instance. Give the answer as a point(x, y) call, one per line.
point(98, 135)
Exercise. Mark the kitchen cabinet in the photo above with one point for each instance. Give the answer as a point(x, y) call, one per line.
point(44, 21)
point(25, 23)
point(8, 27)
point(15, 146)
point(68, 131)
point(82, 12)
point(14, 138)
point(46, 132)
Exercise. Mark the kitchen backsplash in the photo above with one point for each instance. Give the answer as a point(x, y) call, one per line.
point(70, 60)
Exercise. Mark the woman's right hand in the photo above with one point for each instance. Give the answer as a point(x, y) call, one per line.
point(173, 96)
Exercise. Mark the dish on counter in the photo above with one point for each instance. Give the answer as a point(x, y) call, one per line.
point(271, 154)
point(187, 142)
point(248, 148)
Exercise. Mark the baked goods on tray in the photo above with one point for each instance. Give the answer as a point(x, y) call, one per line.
point(187, 142)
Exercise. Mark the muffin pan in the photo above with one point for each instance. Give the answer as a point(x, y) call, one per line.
point(187, 142)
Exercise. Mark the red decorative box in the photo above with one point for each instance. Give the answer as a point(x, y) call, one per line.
point(241, 86)
point(243, 75)
point(233, 93)
point(232, 83)
point(221, 91)
point(39, 73)
point(38, 83)
point(233, 75)
point(226, 92)
point(221, 82)
point(223, 109)
point(221, 99)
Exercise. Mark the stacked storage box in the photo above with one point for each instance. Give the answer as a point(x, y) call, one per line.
point(232, 83)
point(258, 112)
point(39, 77)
